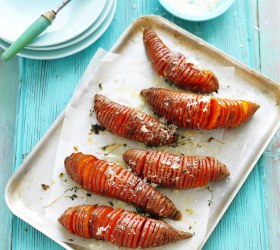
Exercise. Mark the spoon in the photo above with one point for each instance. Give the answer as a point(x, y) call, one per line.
point(33, 31)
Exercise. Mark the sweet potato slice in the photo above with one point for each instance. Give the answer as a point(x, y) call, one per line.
point(120, 227)
point(132, 124)
point(175, 171)
point(177, 68)
point(199, 112)
point(112, 180)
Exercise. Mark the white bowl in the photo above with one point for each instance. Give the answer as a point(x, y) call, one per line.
point(177, 10)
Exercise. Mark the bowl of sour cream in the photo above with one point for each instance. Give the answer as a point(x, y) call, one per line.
point(196, 10)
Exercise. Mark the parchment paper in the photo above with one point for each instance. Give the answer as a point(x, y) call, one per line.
point(121, 79)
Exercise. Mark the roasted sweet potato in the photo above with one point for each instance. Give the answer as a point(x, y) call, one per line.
point(175, 171)
point(119, 227)
point(199, 112)
point(132, 124)
point(176, 68)
point(109, 179)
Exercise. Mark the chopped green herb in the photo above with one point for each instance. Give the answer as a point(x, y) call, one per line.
point(88, 195)
point(75, 188)
point(190, 227)
point(169, 82)
point(111, 147)
point(71, 239)
point(96, 128)
point(105, 147)
point(61, 175)
point(139, 210)
point(73, 197)
point(210, 139)
point(168, 123)
point(111, 203)
point(91, 111)
point(210, 203)
point(100, 85)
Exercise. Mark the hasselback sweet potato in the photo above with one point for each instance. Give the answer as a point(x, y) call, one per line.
point(109, 179)
point(119, 227)
point(132, 124)
point(194, 111)
point(176, 68)
point(175, 171)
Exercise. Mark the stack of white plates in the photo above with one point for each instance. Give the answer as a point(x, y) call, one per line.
point(75, 28)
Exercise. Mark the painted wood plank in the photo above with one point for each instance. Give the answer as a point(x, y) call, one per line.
point(37, 110)
point(9, 82)
point(48, 85)
point(244, 225)
point(269, 29)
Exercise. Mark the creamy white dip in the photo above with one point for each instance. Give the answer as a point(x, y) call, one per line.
point(193, 7)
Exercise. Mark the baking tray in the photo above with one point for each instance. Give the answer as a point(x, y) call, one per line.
point(37, 168)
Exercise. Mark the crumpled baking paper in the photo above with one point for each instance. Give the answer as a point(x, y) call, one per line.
point(121, 79)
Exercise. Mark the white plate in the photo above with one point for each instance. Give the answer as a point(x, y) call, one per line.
point(70, 50)
point(82, 36)
point(26, 199)
point(75, 18)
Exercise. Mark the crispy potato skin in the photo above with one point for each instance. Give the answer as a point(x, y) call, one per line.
point(119, 227)
point(112, 180)
point(132, 124)
point(176, 68)
point(193, 111)
point(175, 171)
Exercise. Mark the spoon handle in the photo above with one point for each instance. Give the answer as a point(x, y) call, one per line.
point(33, 31)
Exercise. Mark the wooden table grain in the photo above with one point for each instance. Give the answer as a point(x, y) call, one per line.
point(33, 93)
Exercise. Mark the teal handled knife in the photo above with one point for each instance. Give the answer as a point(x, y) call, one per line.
point(33, 31)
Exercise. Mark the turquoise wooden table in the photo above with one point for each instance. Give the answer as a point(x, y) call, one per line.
point(33, 93)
